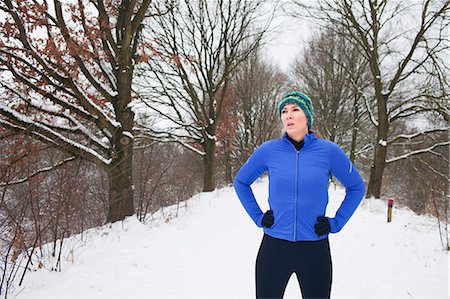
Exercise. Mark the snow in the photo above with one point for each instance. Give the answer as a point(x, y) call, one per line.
point(106, 141)
point(55, 135)
point(190, 147)
point(419, 151)
point(209, 251)
point(128, 134)
point(211, 137)
point(382, 142)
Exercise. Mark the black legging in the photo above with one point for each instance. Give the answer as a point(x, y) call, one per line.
point(278, 259)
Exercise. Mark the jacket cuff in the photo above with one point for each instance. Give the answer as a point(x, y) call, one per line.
point(258, 220)
point(334, 226)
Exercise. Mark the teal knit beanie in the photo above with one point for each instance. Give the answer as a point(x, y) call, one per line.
point(300, 99)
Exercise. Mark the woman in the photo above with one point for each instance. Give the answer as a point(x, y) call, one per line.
point(295, 228)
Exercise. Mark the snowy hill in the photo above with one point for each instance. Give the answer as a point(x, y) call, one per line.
point(209, 251)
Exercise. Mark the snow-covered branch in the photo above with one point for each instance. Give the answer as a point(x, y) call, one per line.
point(364, 149)
point(170, 137)
point(417, 152)
point(412, 136)
point(86, 108)
point(38, 172)
point(433, 170)
point(52, 137)
point(410, 110)
point(369, 110)
point(60, 119)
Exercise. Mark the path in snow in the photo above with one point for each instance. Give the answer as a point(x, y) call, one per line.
point(210, 251)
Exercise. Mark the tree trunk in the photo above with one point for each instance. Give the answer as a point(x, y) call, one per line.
point(376, 172)
point(209, 166)
point(228, 169)
point(120, 176)
point(354, 130)
point(380, 153)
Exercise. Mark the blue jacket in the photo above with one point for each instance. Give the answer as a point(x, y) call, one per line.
point(298, 186)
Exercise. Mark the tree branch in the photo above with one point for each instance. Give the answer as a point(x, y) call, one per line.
point(50, 136)
point(38, 172)
point(417, 152)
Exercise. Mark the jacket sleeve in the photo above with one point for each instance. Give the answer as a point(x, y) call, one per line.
point(343, 169)
point(247, 174)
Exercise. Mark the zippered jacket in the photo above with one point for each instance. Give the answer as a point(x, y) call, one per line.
point(298, 186)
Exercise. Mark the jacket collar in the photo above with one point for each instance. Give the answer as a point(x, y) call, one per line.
point(307, 140)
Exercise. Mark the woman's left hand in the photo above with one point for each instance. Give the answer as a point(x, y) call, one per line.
point(267, 220)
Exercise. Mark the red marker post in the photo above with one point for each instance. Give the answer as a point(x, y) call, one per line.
point(390, 205)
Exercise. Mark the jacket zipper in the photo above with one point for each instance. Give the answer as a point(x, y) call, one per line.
point(296, 195)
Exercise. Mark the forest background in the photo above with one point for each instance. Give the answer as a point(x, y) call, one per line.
point(114, 108)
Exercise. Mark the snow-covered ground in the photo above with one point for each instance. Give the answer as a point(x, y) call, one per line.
point(209, 251)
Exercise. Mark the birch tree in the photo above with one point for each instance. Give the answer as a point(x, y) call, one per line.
point(195, 49)
point(66, 73)
point(402, 42)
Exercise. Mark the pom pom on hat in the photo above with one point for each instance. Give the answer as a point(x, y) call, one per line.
point(300, 99)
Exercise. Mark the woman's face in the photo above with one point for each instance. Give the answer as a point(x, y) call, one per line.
point(294, 121)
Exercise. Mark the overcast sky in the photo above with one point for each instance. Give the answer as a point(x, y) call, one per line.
point(287, 40)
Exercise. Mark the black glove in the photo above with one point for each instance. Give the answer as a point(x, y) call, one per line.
point(267, 220)
point(322, 227)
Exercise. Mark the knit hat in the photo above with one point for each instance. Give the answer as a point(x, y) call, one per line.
point(300, 99)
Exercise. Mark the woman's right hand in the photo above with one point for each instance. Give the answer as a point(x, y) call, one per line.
point(268, 219)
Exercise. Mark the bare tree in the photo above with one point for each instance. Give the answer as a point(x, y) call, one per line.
point(226, 134)
point(196, 48)
point(421, 181)
point(46, 207)
point(258, 86)
point(165, 174)
point(400, 41)
point(333, 73)
point(66, 73)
